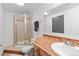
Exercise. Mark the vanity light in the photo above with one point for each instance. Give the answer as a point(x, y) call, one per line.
point(45, 13)
point(20, 4)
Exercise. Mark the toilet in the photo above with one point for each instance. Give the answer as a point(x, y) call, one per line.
point(27, 50)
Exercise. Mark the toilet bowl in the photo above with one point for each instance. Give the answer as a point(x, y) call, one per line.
point(27, 50)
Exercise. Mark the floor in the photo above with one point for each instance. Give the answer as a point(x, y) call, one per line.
point(12, 51)
point(11, 54)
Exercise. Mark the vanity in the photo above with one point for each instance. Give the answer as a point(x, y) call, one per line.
point(43, 44)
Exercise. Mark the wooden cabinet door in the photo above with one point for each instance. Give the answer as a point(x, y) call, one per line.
point(40, 52)
point(43, 53)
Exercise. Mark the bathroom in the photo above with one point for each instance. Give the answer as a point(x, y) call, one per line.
point(27, 27)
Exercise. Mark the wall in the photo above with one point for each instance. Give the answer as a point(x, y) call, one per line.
point(71, 21)
point(39, 16)
point(8, 27)
point(1, 24)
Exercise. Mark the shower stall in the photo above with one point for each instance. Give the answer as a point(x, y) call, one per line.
point(23, 30)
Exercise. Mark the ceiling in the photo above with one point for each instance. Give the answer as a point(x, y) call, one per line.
point(28, 7)
point(62, 7)
point(32, 8)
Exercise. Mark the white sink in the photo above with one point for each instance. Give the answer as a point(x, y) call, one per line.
point(64, 50)
point(1, 50)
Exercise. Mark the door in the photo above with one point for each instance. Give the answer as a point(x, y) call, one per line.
point(19, 30)
point(23, 29)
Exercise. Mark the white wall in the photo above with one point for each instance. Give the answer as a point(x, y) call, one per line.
point(1, 24)
point(8, 27)
point(39, 15)
point(71, 21)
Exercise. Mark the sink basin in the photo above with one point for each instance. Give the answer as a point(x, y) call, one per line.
point(64, 50)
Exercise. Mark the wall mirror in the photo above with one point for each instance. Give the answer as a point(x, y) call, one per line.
point(58, 24)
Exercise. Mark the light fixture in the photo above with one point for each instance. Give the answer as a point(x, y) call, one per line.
point(20, 4)
point(45, 13)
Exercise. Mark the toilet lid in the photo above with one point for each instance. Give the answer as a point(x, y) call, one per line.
point(28, 47)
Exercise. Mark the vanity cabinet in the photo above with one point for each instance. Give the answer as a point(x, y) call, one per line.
point(43, 46)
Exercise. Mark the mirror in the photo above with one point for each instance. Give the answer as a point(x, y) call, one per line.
point(58, 24)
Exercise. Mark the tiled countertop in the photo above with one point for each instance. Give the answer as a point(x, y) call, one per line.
point(72, 36)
